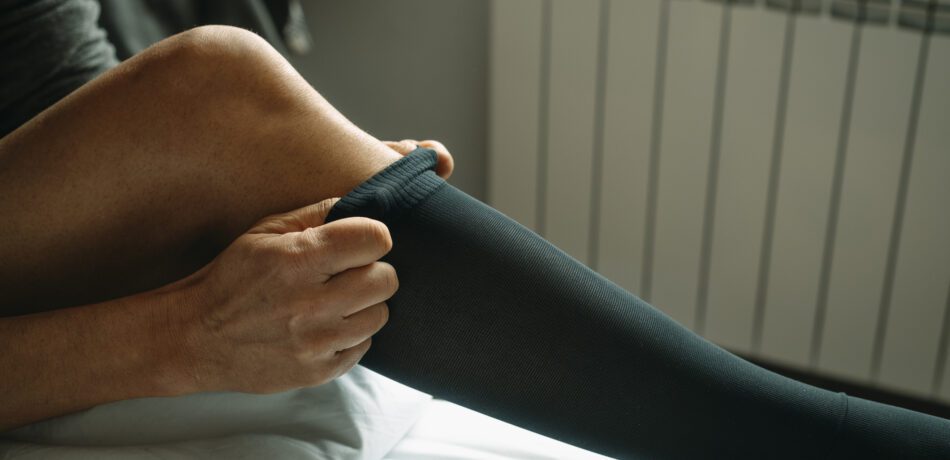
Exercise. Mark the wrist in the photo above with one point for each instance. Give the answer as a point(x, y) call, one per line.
point(176, 354)
point(66, 360)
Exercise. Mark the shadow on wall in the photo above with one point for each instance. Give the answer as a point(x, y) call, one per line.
point(407, 69)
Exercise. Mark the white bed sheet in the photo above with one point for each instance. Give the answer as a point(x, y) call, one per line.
point(360, 416)
point(450, 432)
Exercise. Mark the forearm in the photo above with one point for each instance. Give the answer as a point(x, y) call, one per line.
point(63, 361)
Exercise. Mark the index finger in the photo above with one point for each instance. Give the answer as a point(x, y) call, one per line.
point(350, 243)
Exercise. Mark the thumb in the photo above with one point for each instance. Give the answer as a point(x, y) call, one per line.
point(297, 220)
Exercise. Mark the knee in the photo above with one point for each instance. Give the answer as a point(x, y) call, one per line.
point(221, 68)
point(224, 54)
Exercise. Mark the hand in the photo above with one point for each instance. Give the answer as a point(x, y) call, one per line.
point(291, 303)
point(445, 164)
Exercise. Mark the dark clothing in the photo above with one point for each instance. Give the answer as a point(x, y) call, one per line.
point(134, 25)
point(48, 48)
point(491, 316)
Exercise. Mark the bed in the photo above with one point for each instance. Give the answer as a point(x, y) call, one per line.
point(360, 416)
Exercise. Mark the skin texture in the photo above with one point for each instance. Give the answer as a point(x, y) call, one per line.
point(127, 207)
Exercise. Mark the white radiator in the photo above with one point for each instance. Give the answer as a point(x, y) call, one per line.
point(773, 174)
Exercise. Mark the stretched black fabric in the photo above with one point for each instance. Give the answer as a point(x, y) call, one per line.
point(492, 317)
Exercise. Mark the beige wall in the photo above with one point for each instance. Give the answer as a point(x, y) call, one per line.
point(406, 69)
point(750, 174)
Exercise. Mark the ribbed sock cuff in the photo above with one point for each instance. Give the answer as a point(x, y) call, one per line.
point(399, 187)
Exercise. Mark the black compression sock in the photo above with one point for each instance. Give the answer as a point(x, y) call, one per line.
point(492, 317)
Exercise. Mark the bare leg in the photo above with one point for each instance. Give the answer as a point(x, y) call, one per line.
point(143, 175)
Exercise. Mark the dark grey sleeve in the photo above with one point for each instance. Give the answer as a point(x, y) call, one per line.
point(48, 48)
point(493, 317)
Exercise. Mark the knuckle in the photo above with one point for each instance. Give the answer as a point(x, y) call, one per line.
point(293, 256)
point(352, 357)
point(302, 353)
point(308, 241)
point(303, 346)
point(327, 341)
point(264, 253)
point(383, 316)
point(435, 145)
point(407, 145)
point(327, 235)
point(321, 242)
point(377, 234)
point(268, 260)
point(286, 272)
point(389, 279)
point(363, 348)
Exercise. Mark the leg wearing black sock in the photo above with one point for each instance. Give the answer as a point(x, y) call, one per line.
point(494, 318)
